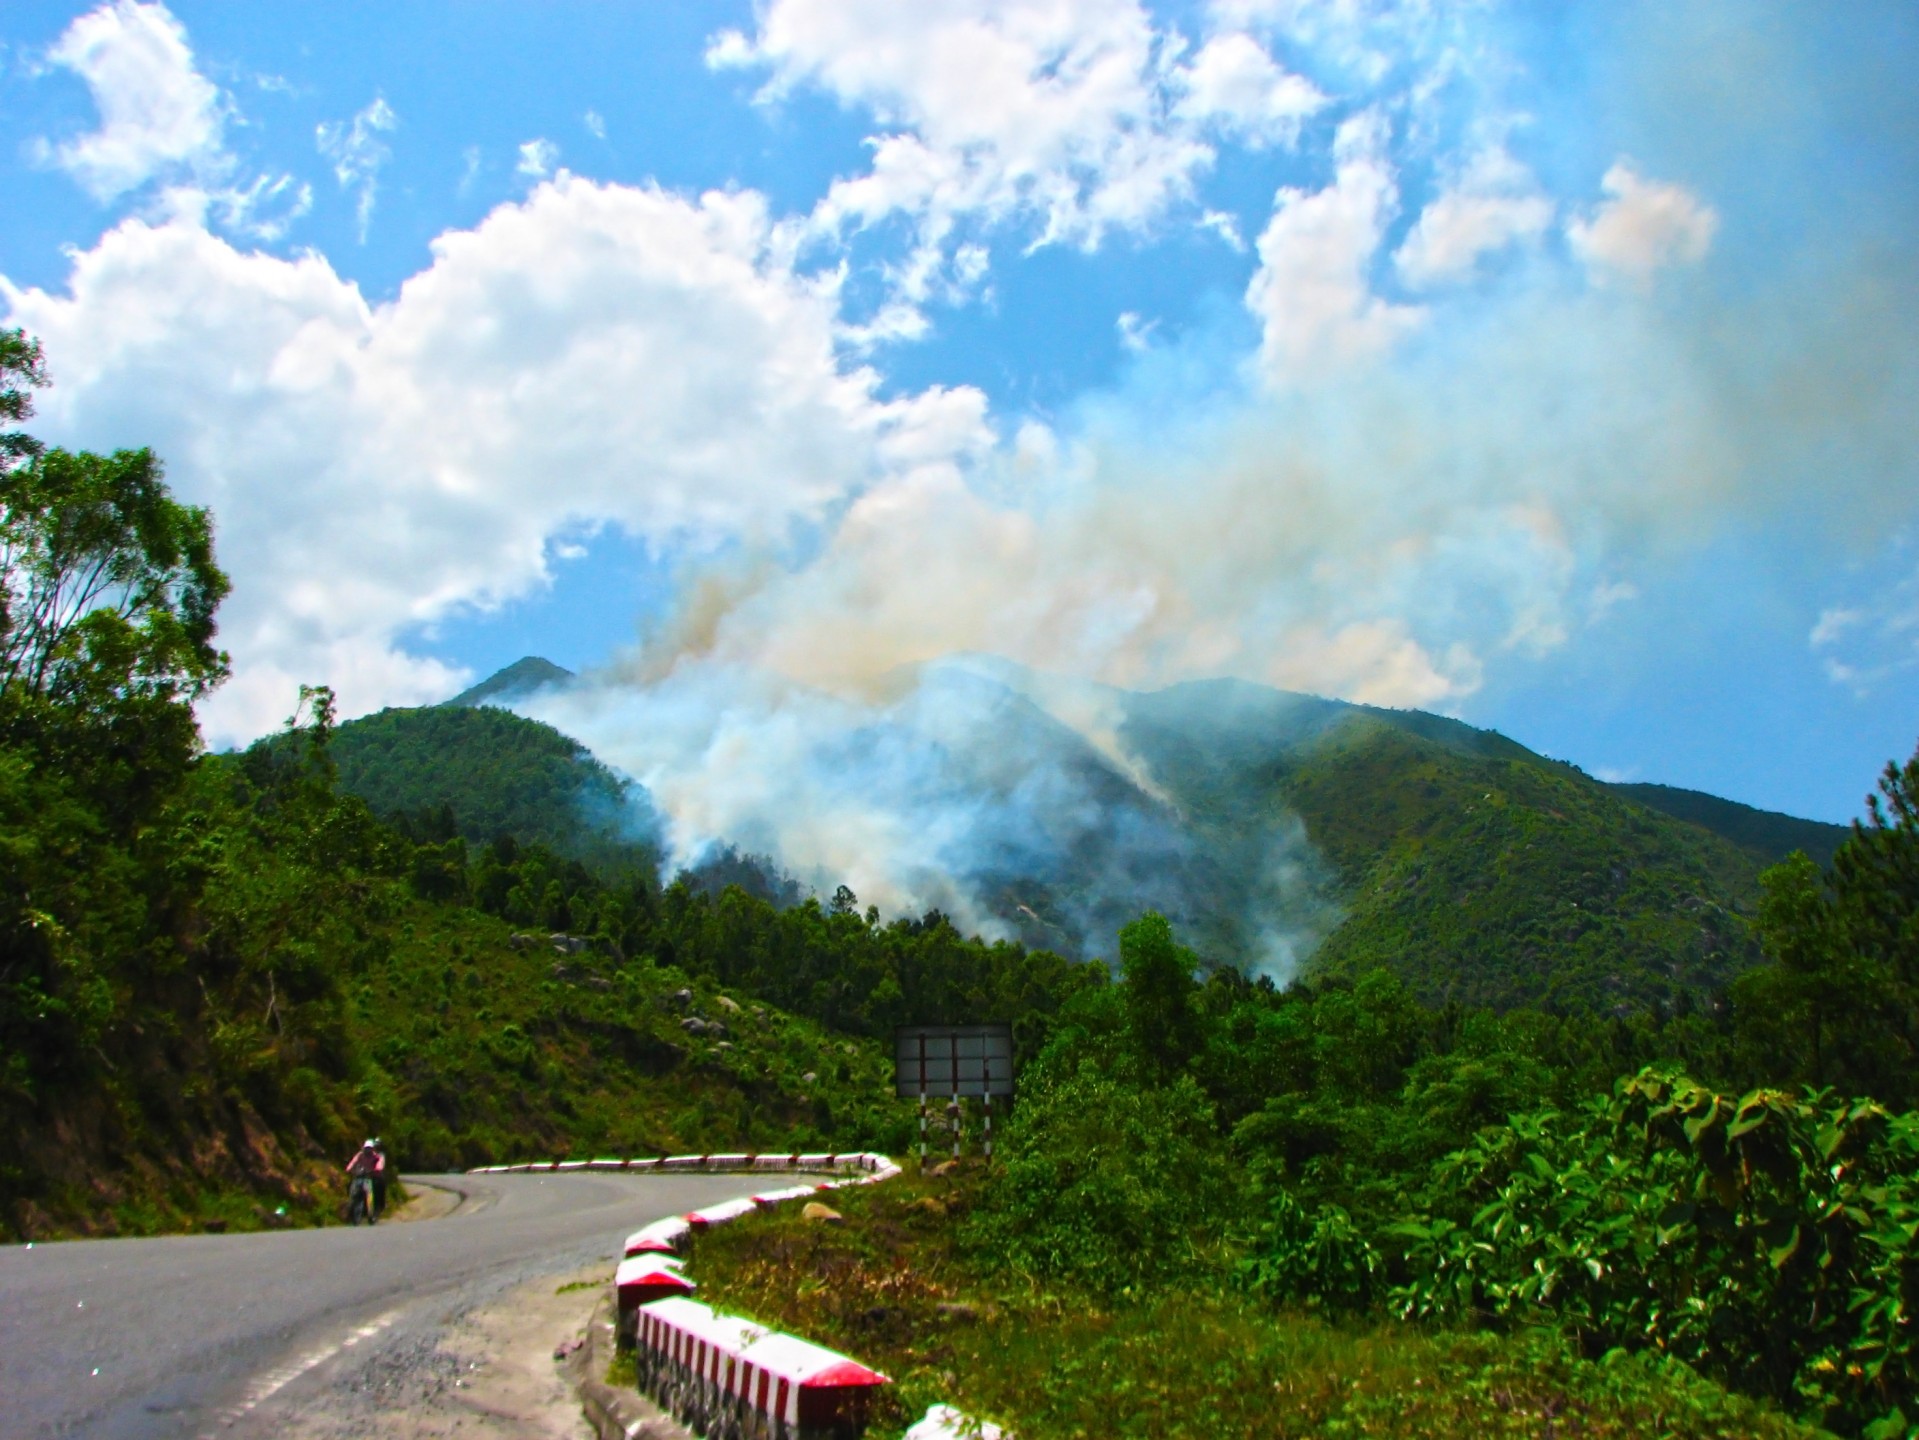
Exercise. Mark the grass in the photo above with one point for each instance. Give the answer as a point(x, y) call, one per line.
point(894, 1286)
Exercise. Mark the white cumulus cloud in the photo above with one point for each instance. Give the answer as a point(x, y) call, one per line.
point(595, 355)
point(1644, 226)
point(1495, 204)
point(1069, 119)
point(1312, 292)
point(158, 115)
point(1234, 84)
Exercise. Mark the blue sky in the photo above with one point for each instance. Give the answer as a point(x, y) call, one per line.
point(1549, 366)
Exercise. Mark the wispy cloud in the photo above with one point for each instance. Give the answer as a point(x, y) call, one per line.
point(537, 159)
point(357, 151)
point(1864, 645)
point(162, 136)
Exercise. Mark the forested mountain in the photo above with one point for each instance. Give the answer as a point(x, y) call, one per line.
point(1465, 863)
point(481, 772)
point(1769, 835)
point(1271, 828)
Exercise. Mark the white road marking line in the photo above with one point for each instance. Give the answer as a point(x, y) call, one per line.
point(274, 1381)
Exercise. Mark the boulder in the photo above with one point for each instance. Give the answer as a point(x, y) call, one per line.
point(693, 1025)
point(727, 1002)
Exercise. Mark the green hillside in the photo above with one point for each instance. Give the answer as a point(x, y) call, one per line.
point(1766, 833)
point(1503, 882)
point(1460, 860)
point(1453, 856)
point(493, 773)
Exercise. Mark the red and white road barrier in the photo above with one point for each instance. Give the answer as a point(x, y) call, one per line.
point(711, 1215)
point(768, 1198)
point(662, 1237)
point(725, 1376)
point(863, 1166)
point(643, 1279)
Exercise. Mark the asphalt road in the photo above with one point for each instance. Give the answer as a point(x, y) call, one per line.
point(195, 1335)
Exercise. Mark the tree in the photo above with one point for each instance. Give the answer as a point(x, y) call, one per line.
point(109, 584)
point(1845, 952)
point(1876, 876)
point(1160, 991)
point(22, 370)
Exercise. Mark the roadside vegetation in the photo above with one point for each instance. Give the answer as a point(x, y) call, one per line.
point(912, 1283)
point(1634, 1220)
point(1633, 1124)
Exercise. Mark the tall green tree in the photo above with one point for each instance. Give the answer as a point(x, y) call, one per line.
point(1839, 1005)
point(109, 584)
point(1160, 994)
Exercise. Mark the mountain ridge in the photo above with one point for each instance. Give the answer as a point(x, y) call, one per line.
point(1276, 828)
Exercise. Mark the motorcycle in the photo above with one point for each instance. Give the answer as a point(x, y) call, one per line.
point(359, 1201)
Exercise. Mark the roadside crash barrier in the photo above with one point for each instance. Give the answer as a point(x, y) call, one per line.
point(729, 1379)
point(863, 1167)
point(642, 1279)
point(662, 1237)
point(711, 1215)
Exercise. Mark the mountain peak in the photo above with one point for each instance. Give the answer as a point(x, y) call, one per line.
point(518, 680)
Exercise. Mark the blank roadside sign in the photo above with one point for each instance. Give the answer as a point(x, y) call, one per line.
point(953, 1060)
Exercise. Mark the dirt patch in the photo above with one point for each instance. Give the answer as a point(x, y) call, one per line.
point(426, 1202)
point(490, 1374)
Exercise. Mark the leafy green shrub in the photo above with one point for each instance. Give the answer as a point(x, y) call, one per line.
point(1769, 1240)
point(1106, 1182)
point(1318, 1258)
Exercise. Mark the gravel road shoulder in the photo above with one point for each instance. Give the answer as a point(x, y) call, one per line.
point(490, 1371)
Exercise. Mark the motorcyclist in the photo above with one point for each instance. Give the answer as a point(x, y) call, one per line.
point(366, 1167)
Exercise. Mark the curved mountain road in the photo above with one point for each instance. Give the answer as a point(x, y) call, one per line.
point(195, 1335)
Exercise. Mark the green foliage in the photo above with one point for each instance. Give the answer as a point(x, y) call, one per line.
point(1473, 868)
point(1158, 977)
point(1765, 1239)
point(1321, 1259)
point(902, 1286)
point(1769, 836)
point(22, 371)
point(492, 773)
point(1840, 1003)
point(1511, 882)
point(108, 586)
point(1108, 1185)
